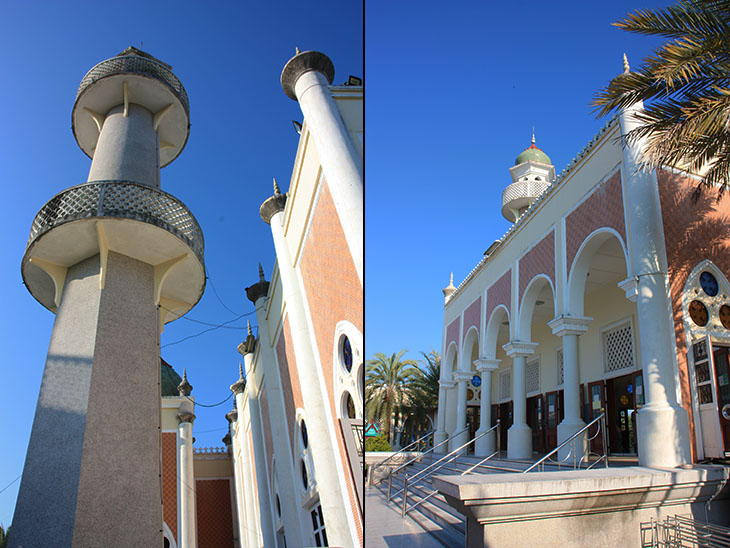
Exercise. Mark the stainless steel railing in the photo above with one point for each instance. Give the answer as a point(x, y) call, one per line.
point(408, 448)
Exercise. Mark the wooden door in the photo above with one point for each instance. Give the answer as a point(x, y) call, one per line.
point(597, 403)
point(535, 420)
point(551, 421)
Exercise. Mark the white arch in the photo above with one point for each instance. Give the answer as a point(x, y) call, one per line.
point(471, 339)
point(581, 264)
point(491, 333)
point(167, 533)
point(527, 306)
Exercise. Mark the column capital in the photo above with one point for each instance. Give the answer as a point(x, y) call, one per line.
point(569, 325)
point(185, 417)
point(302, 62)
point(519, 349)
point(259, 289)
point(487, 364)
point(232, 415)
point(461, 376)
point(447, 384)
point(630, 287)
point(273, 205)
point(240, 385)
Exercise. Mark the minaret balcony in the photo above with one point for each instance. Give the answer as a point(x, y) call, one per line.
point(518, 196)
point(124, 217)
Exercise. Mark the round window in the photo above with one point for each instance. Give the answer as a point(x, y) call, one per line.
point(347, 354)
point(305, 436)
point(724, 314)
point(708, 282)
point(698, 313)
point(350, 406)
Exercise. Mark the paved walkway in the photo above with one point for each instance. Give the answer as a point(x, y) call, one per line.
point(384, 527)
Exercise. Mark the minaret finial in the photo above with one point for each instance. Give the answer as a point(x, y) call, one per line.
point(240, 370)
point(184, 388)
point(249, 327)
point(626, 65)
point(277, 192)
point(451, 279)
point(296, 48)
point(533, 134)
point(261, 273)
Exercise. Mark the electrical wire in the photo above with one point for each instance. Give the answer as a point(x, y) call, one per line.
point(219, 326)
point(12, 482)
point(210, 280)
point(207, 323)
point(195, 402)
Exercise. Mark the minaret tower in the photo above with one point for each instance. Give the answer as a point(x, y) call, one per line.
point(114, 258)
point(531, 175)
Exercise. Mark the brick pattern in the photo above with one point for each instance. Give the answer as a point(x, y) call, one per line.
point(334, 293)
point(604, 208)
point(214, 512)
point(693, 231)
point(266, 426)
point(472, 315)
point(452, 333)
point(290, 387)
point(169, 481)
point(539, 260)
point(500, 292)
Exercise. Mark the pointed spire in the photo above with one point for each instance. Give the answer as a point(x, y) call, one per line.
point(248, 325)
point(297, 50)
point(184, 388)
point(240, 370)
point(240, 385)
point(261, 273)
point(449, 289)
point(277, 192)
point(626, 65)
point(533, 134)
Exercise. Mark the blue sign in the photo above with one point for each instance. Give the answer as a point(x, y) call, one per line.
point(630, 388)
point(476, 381)
point(371, 430)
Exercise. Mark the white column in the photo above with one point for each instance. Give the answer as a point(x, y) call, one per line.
point(441, 434)
point(662, 423)
point(486, 445)
point(188, 538)
point(341, 162)
point(519, 435)
point(570, 328)
point(460, 438)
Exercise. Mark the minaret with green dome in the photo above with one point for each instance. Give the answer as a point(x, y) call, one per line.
point(531, 175)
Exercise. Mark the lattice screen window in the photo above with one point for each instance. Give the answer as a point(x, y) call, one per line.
point(618, 348)
point(532, 376)
point(561, 370)
point(505, 385)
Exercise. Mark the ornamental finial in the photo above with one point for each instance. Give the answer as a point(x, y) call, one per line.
point(297, 50)
point(261, 273)
point(249, 327)
point(533, 135)
point(626, 65)
point(277, 192)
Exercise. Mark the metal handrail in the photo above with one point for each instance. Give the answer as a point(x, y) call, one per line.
point(405, 464)
point(601, 420)
point(403, 450)
point(440, 464)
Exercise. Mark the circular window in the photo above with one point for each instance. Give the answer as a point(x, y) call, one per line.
point(708, 282)
point(725, 316)
point(305, 478)
point(698, 313)
point(305, 436)
point(347, 354)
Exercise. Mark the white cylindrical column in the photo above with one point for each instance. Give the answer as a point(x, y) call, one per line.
point(306, 78)
point(662, 423)
point(440, 435)
point(460, 438)
point(128, 148)
point(487, 444)
point(188, 538)
point(519, 435)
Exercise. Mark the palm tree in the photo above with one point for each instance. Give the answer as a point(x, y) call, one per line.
point(687, 79)
point(425, 391)
point(387, 386)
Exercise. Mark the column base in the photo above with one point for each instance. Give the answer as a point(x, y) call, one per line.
point(567, 428)
point(439, 437)
point(663, 436)
point(485, 446)
point(519, 442)
point(458, 440)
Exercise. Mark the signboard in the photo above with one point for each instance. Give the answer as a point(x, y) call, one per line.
point(371, 430)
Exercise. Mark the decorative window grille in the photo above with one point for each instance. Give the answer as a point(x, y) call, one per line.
point(702, 371)
point(618, 348)
point(505, 385)
point(532, 376)
point(561, 370)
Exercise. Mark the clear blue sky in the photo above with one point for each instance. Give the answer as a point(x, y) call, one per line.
point(229, 57)
point(453, 91)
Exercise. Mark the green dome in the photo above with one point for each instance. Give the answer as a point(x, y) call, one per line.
point(533, 154)
point(169, 379)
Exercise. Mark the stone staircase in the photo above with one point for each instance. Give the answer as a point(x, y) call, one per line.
point(434, 514)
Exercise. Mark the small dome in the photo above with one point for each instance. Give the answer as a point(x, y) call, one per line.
point(532, 154)
point(169, 379)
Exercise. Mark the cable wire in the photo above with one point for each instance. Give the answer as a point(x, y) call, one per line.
point(201, 322)
point(12, 482)
point(209, 329)
point(207, 275)
point(192, 400)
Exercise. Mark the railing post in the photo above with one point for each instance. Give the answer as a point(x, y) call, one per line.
point(604, 437)
point(405, 495)
point(390, 483)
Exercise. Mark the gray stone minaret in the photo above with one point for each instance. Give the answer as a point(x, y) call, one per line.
point(114, 258)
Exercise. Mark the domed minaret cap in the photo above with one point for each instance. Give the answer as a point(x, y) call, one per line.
point(259, 289)
point(449, 289)
point(302, 62)
point(273, 205)
point(533, 154)
point(240, 385)
point(185, 388)
point(133, 76)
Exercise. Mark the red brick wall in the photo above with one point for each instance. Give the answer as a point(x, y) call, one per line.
point(169, 481)
point(692, 232)
point(334, 293)
point(215, 518)
point(290, 387)
point(500, 292)
point(266, 426)
point(472, 315)
point(603, 208)
point(539, 260)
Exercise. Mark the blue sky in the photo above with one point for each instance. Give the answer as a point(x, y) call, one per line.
point(453, 92)
point(229, 58)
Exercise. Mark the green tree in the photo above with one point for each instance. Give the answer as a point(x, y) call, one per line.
point(425, 393)
point(687, 81)
point(377, 443)
point(387, 387)
point(3, 536)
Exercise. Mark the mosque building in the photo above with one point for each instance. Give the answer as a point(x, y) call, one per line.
point(116, 258)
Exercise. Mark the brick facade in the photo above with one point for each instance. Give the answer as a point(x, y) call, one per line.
point(500, 293)
point(538, 260)
point(472, 316)
point(169, 481)
point(290, 387)
point(214, 513)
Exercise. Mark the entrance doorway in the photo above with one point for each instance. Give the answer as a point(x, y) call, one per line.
point(553, 416)
point(503, 412)
point(620, 416)
point(535, 420)
point(472, 421)
point(722, 378)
